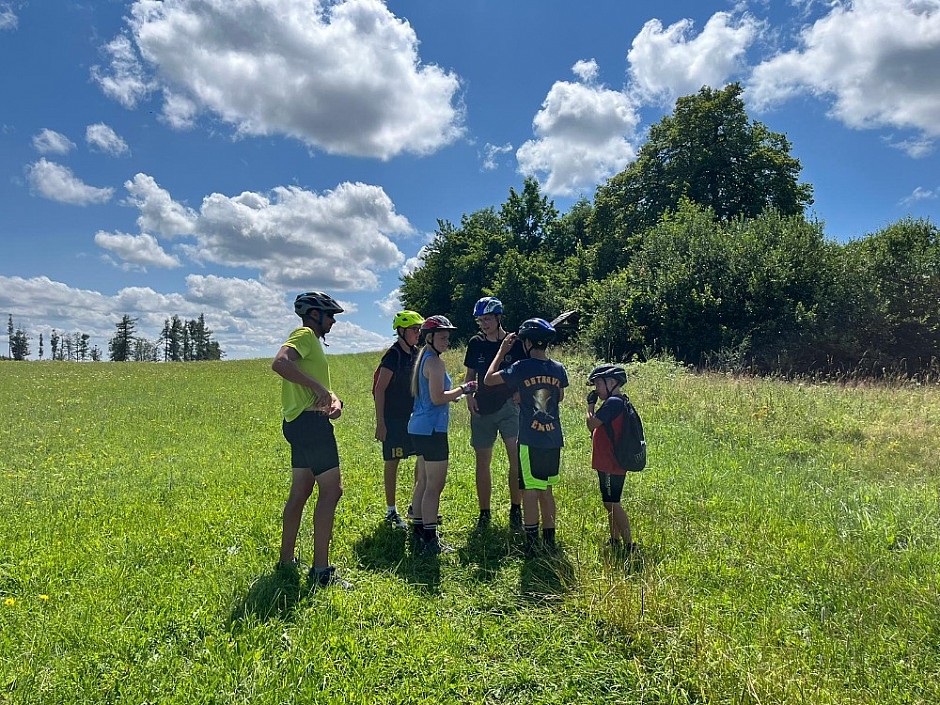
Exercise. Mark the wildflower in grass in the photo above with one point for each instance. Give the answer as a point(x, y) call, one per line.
point(10, 601)
point(44, 597)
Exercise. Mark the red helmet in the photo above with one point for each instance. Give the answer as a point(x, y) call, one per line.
point(436, 323)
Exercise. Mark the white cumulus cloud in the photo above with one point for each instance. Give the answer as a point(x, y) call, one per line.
point(140, 250)
point(105, 139)
point(391, 304)
point(667, 63)
point(247, 317)
point(51, 142)
point(296, 237)
point(413, 263)
point(344, 77)
point(127, 81)
point(875, 60)
point(586, 70)
point(159, 213)
point(58, 183)
point(584, 134)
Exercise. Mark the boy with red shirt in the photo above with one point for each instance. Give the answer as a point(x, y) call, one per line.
point(607, 381)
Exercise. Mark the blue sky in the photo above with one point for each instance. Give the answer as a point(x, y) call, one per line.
point(220, 156)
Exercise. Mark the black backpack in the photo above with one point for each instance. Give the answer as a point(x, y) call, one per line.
point(630, 448)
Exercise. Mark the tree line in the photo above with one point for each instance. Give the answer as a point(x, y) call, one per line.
point(180, 341)
point(700, 249)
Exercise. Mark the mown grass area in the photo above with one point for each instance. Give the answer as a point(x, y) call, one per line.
point(789, 554)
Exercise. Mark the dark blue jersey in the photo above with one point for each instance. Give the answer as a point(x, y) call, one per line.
point(539, 383)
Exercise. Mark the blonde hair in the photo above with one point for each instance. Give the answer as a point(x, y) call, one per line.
point(416, 370)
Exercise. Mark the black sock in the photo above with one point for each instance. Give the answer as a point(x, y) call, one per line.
point(531, 533)
point(418, 527)
point(549, 536)
point(484, 512)
point(430, 533)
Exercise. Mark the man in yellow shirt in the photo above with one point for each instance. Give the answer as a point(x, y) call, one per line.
point(309, 406)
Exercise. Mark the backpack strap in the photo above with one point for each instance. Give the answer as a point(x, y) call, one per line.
point(609, 426)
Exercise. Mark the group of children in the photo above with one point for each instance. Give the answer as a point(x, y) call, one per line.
point(513, 389)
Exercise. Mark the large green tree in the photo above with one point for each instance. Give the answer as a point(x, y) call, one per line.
point(529, 216)
point(747, 291)
point(120, 346)
point(523, 253)
point(709, 152)
point(891, 313)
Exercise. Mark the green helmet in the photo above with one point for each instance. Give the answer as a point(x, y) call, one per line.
point(406, 319)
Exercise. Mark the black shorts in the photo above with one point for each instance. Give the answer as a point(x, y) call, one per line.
point(312, 442)
point(611, 486)
point(433, 448)
point(538, 467)
point(397, 443)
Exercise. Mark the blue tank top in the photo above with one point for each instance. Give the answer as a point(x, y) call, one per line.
point(428, 417)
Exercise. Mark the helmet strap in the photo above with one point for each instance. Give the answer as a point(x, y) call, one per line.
point(317, 325)
point(401, 340)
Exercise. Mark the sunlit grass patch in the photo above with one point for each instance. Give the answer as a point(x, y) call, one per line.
point(788, 550)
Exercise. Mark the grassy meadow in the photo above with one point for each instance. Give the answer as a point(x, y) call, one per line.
point(789, 533)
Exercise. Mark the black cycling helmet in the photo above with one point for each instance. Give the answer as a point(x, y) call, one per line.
point(536, 330)
point(614, 372)
point(315, 301)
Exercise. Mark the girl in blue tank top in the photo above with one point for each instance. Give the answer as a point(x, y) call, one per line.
point(427, 426)
point(428, 417)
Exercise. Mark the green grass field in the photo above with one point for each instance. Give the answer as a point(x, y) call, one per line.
point(789, 540)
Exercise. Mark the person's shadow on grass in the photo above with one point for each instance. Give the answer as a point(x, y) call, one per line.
point(546, 575)
point(393, 551)
point(382, 549)
point(488, 549)
point(273, 594)
point(629, 561)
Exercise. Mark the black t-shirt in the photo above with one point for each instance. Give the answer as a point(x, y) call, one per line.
point(398, 399)
point(480, 353)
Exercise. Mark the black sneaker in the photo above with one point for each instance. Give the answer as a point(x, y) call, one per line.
point(515, 517)
point(437, 547)
point(483, 521)
point(394, 520)
point(327, 577)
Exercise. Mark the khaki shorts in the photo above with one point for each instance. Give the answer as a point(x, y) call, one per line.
point(484, 427)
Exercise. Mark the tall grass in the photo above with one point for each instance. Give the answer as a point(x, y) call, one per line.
point(789, 550)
